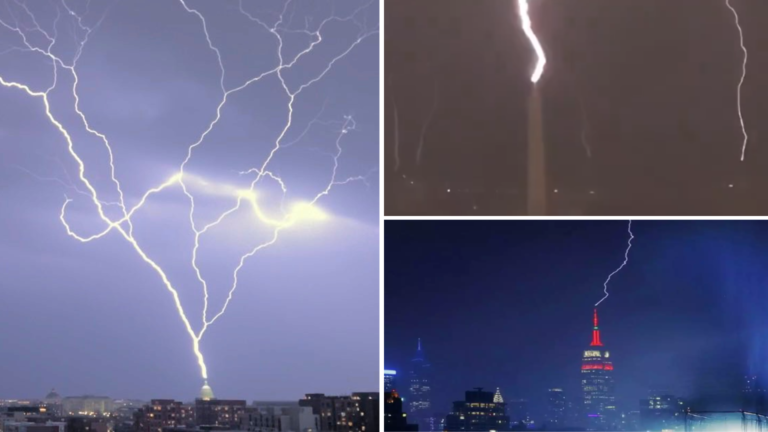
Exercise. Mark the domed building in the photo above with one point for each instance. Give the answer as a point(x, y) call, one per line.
point(52, 396)
point(206, 393)
point(52, 402)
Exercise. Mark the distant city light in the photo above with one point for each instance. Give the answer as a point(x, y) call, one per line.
point(390, 372)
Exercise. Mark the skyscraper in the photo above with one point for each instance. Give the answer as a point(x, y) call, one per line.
point(389, 380)
point(597, 384)
point(420, 403)
point(555, 416)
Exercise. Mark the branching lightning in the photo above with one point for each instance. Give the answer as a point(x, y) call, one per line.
point(244, 199)
point(626, 259)
point(524, 9)
point(743, 77)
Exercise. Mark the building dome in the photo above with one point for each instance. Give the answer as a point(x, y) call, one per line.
point(206, 393)
point(53, 395)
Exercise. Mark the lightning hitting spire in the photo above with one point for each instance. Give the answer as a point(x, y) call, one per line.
point(743, 76)
point(524, 9)
point(246, 199)
point(626, 259)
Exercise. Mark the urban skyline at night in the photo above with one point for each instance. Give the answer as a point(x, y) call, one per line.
point(517, 299)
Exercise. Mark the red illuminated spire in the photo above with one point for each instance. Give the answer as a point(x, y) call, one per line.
point(596, 333)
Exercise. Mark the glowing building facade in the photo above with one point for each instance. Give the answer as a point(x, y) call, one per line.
point(597, 384)
point(420, 389)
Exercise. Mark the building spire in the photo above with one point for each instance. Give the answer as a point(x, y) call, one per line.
point(497, 397)
point(596, 332)
point(418, 348)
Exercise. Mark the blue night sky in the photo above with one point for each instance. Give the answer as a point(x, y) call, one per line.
point(509, 304)
point(95, 317)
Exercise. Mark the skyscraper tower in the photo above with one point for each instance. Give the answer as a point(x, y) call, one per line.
point(537, 174)
point(597, 384)
point(420, 402)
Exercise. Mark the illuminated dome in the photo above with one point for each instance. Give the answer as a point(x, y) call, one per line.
point(206, 393)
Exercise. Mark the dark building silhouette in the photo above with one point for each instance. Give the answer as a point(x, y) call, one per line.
point(754, 395)
point(518, 411)
point(86, 424)
point(597, 384)
point(478, 412)
point(556, 413)
point(219, 412)
point(395, 420)
point(420, 387)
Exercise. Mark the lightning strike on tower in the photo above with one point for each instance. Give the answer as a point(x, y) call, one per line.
point(626, 259)
point(537, 184)
point(246, 199)
point(743, 77)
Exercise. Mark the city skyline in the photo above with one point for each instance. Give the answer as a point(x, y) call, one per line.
point(517, 299)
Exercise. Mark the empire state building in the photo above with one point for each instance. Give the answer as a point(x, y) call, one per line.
point(420, 402)
point(597, 384)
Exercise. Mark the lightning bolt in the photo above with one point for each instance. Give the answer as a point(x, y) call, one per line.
point(743, 76)
point(245, 199)
point(626, 259)
point(426, 126)
point(524, 9)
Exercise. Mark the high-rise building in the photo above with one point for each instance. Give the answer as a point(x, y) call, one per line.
point(419, 404)
point(356, 413)
point(478, 412)
point(389, 379)
point(395, 420)
point(597, 384)
point(556, 413)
